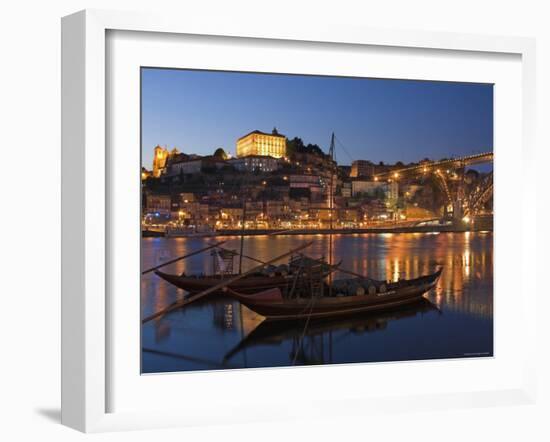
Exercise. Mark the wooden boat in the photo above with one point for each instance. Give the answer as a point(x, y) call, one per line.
point(146, 233)
point(275, 307)
point(247, 285)
point(185, 232)
point(272, 277)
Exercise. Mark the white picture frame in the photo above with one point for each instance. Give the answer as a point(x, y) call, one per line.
point(85, 197)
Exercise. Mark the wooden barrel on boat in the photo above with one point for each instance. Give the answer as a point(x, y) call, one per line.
point(382, 288)
point(269, 271)
point(356, 288)
point(371, 290)
point(340, 286)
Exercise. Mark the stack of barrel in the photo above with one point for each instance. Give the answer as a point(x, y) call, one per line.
point(358, 287)
point(272, 271)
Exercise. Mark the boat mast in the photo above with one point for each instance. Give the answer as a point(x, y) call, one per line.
point(243, 221)
point(331, 195)
point(331, 205)
point(243, 224)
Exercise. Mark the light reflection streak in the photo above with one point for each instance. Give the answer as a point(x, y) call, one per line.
point(465, 285)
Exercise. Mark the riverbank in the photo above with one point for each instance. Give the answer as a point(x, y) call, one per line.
point(348, 231)
point(412, 229)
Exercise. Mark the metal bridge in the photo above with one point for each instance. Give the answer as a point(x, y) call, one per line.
point(436, 166)
point(463, 200)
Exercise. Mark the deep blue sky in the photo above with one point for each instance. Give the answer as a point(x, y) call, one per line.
point(378, 120)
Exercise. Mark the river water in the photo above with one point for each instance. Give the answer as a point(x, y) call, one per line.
point(455, 321)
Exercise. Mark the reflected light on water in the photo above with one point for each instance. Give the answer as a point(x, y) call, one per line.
point(463, 297)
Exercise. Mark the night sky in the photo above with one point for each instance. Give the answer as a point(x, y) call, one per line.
point(377, 120)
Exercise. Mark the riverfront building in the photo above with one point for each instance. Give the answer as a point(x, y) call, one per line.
point(253, 163)
point(361, 168)
point(193, 166)
point(365, 187)
point(260, 143)
point(155, 203)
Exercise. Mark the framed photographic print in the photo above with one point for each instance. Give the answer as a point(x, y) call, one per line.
point(261, 212)
point(366, 250)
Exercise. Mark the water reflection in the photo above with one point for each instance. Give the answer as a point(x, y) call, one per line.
point(211, 330)
point(308, 338)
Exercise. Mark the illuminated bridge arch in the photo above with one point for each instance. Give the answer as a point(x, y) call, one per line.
point(449, 175)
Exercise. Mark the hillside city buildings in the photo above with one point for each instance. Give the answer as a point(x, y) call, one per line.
point(271, 183)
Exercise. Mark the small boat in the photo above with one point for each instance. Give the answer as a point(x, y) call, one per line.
point(275, 307)
point(186, 232)
point(152, 233)
point(281, 277)
point(246, 285)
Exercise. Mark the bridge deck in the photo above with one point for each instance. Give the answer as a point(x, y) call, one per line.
point(450, 163)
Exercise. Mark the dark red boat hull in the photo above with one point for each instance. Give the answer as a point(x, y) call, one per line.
point(325, 307)
point(247, 285)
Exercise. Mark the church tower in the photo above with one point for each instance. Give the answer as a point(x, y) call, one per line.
point(160, 157)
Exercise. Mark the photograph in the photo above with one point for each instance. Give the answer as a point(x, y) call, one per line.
point(296, 220)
